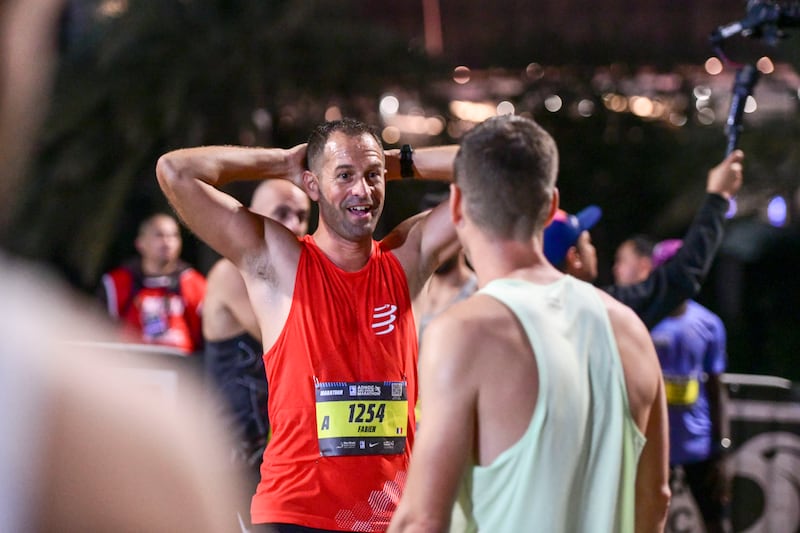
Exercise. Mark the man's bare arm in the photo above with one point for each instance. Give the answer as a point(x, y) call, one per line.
point(652, 476)
point(443, 447)
point(432, 238)
point(227, 306)
point(190, 179)
point(429, 163)
point(648, 405)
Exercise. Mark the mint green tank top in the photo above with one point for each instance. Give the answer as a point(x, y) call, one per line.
point(574, 469)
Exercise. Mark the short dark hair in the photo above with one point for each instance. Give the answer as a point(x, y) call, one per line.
point(320, 134)
point(147, 221)
point(642, 245)
point(506, 168)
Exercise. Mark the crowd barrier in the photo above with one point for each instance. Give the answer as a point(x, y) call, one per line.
point(764, 461)
point(162, 370)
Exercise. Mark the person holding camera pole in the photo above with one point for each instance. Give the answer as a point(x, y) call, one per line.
point(568, 246)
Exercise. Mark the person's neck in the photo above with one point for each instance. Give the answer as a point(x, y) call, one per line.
point(681, 309)
point(511, 259)
point(157, 268)
point(348, 255)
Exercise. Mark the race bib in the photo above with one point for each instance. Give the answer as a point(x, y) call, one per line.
point(681, 390)
point(361, 418)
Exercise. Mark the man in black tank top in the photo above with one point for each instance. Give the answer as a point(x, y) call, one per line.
point(233, 351)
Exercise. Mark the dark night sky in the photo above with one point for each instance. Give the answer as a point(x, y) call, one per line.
point(514, 32)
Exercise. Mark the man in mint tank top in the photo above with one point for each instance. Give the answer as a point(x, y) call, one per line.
point(544, 403)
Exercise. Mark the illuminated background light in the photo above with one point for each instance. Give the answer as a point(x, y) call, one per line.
point(702, 92)
point(765, 65)
point(390, 134)
point(713, 66)
point(461, 75)
point(585, 107)
point(641, 106)
point(333, 113)
point(776, 211)
point(505, 108)
point(534, 71)
point(553, 103)
point(472, 111)
point(389, 105)
point(261, 119)
point(706, 116)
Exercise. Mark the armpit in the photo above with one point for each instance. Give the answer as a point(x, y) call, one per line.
point(259, 267)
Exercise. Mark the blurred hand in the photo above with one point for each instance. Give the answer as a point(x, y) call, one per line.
point(725, 179)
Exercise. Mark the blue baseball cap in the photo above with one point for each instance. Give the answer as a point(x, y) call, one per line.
point(564, 230)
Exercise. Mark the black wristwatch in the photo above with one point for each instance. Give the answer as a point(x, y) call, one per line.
point(406, 161)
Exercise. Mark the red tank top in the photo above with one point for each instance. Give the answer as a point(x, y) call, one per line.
point(343, 385)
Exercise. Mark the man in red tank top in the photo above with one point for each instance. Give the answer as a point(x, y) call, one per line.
point(334, 310)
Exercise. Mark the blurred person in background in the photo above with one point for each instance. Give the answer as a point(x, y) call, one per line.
point(156, 296)
point(567, 245)
point(691, 346)
point(633, 261)
point(451, 282)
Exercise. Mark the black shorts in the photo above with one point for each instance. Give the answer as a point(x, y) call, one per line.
point(703, 479)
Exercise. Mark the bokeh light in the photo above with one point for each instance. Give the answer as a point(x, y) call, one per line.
point(461, 75)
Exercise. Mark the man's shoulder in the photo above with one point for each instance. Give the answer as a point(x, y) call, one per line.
point(703, 314)
point(192, 285)
point(475, 319)
point(625, 323)
point(124, 272)
point(221, 271)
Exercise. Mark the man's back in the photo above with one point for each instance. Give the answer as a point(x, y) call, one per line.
point(570, 403)
point(562, 387)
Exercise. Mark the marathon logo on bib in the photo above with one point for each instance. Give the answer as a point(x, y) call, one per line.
point(361, 418)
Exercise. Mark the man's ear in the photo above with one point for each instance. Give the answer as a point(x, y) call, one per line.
point(456, 208)
point(311, 185)
point(554, 202)
point(138, 244)
point(573, 261)
point(645, 267)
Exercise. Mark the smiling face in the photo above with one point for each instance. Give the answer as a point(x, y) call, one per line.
point(349, 185)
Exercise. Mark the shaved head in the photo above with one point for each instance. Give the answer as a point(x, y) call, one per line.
point(283, 202)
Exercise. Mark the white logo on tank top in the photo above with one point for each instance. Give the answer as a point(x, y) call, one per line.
point(383, 319)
